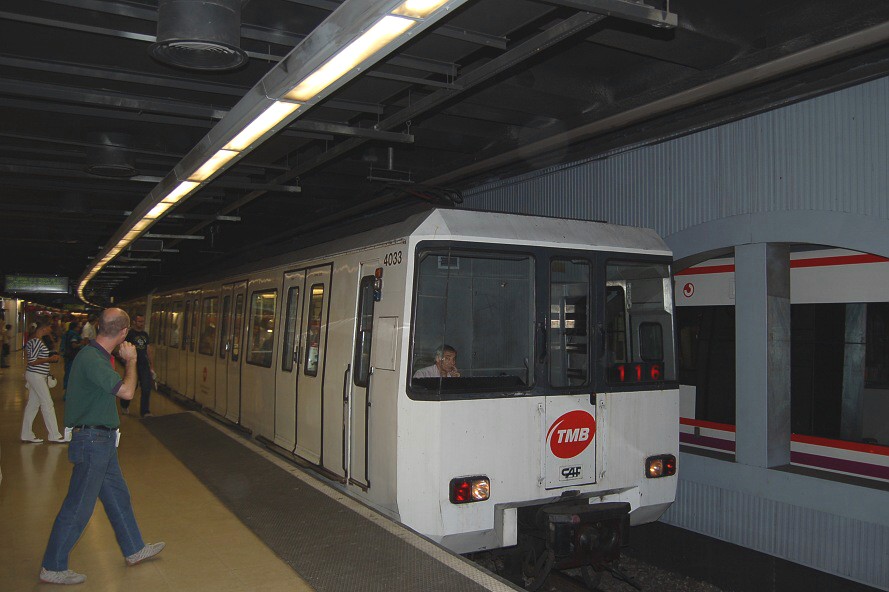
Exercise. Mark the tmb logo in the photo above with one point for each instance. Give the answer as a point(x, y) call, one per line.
point(571, 434)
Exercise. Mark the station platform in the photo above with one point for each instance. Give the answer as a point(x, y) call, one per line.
point(235, 517)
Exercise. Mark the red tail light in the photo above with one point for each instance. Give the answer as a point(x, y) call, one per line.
point(465, 490)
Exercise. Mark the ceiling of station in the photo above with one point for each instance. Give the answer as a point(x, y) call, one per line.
point(90, 122)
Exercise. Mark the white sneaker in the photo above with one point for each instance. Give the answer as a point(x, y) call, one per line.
point(34, 440)
point(146, 552)
point(61, 577)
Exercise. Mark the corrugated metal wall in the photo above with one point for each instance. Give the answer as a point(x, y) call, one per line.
point(829, 154)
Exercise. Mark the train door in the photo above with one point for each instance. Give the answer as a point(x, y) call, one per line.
point(570, 419)
point(190, 355)
point(235, 351)
point(288, 369)
point(358, 403)
point(310, 379)
point(222, 348)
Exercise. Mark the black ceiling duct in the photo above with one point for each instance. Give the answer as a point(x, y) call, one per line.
point(107, 155)
point(199, 34)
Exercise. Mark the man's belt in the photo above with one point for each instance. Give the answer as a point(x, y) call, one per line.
point(93, 427)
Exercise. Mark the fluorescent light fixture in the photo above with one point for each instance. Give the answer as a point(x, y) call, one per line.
point(263, 123)
point(213, 164)
point(158, 210)
point(374, 39)
point(419, 8)
point(180, 192)
point(142, 224)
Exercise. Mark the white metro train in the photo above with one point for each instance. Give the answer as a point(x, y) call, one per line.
point(563, 403)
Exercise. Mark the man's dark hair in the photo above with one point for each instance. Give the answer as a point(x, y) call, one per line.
point(112, 321)
point(42, 322)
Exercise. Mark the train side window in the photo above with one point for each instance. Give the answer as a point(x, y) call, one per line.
point(569, 354)
point(313, 332)
point(223, 334)
point(237, 327)
point(175, 324)
point(186, 324)
point(364, 331)
point(262, 328)
point(651, 342)
point(290, 351)
point(638, 314)
point(208, 326)
point(193, 329)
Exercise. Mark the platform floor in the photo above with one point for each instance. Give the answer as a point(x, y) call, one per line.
point(208, 546)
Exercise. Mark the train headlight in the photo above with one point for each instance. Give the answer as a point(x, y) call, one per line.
point(660, 466)
point(465, 490)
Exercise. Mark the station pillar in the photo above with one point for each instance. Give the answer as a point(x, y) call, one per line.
point(762, 354)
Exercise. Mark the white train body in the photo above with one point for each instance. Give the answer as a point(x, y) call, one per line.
point(533, 308)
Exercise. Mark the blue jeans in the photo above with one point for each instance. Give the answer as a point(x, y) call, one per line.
point(96, 475)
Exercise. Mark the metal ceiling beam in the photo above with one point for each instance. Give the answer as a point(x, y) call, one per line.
point(187, 83)
point(352, 131)
point(631, 10)
point(135, 116)
point(410, 79)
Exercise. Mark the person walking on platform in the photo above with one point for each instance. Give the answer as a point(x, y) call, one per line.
point(91, 414)
point(39, 358)
point(5, 344)
point(71, 344)
point(144, 363)
point(89, 328)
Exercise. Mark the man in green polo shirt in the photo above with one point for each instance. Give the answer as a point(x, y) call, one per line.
point(91, 413)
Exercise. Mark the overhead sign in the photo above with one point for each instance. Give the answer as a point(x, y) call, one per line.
point(35, 284)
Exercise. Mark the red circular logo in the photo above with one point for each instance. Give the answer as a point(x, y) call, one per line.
point(688, 290)
point(571, 434)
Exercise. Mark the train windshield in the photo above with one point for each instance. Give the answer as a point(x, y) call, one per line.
point(638, 323)
point(474, 325)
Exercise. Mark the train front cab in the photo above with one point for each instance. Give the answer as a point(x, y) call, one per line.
point(566, 389)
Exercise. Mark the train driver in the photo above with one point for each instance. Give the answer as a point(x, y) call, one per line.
point(445, 365)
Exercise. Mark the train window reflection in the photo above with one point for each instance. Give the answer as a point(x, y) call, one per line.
point(237, 326)
point(207, 340)
point(290, 351)
point(638, 313)
point(223, 335)
point(175, 324)
point(262, 328)
point(473, 322)
point(569, 358)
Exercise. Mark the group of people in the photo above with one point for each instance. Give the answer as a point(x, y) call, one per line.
point(40, 352)
point(91, 419)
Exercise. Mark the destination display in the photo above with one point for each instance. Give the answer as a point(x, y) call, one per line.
point(35, 284)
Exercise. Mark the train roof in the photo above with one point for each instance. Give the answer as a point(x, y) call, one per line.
point(493, 227)
point(463, 225)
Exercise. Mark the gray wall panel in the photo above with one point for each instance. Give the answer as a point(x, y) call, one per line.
point(828, 153)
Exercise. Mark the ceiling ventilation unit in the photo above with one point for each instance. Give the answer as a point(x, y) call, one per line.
point(199, 34)
point(107, 155)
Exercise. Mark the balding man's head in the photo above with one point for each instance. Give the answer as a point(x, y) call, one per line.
point(112, 321)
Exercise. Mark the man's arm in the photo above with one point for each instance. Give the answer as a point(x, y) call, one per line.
point(128, 389)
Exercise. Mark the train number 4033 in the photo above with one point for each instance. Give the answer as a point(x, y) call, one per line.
point(392, 258)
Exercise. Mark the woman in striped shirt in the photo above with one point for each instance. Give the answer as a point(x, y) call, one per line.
point(39, 359)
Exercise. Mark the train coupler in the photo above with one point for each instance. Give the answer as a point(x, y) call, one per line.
point(582, 534)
